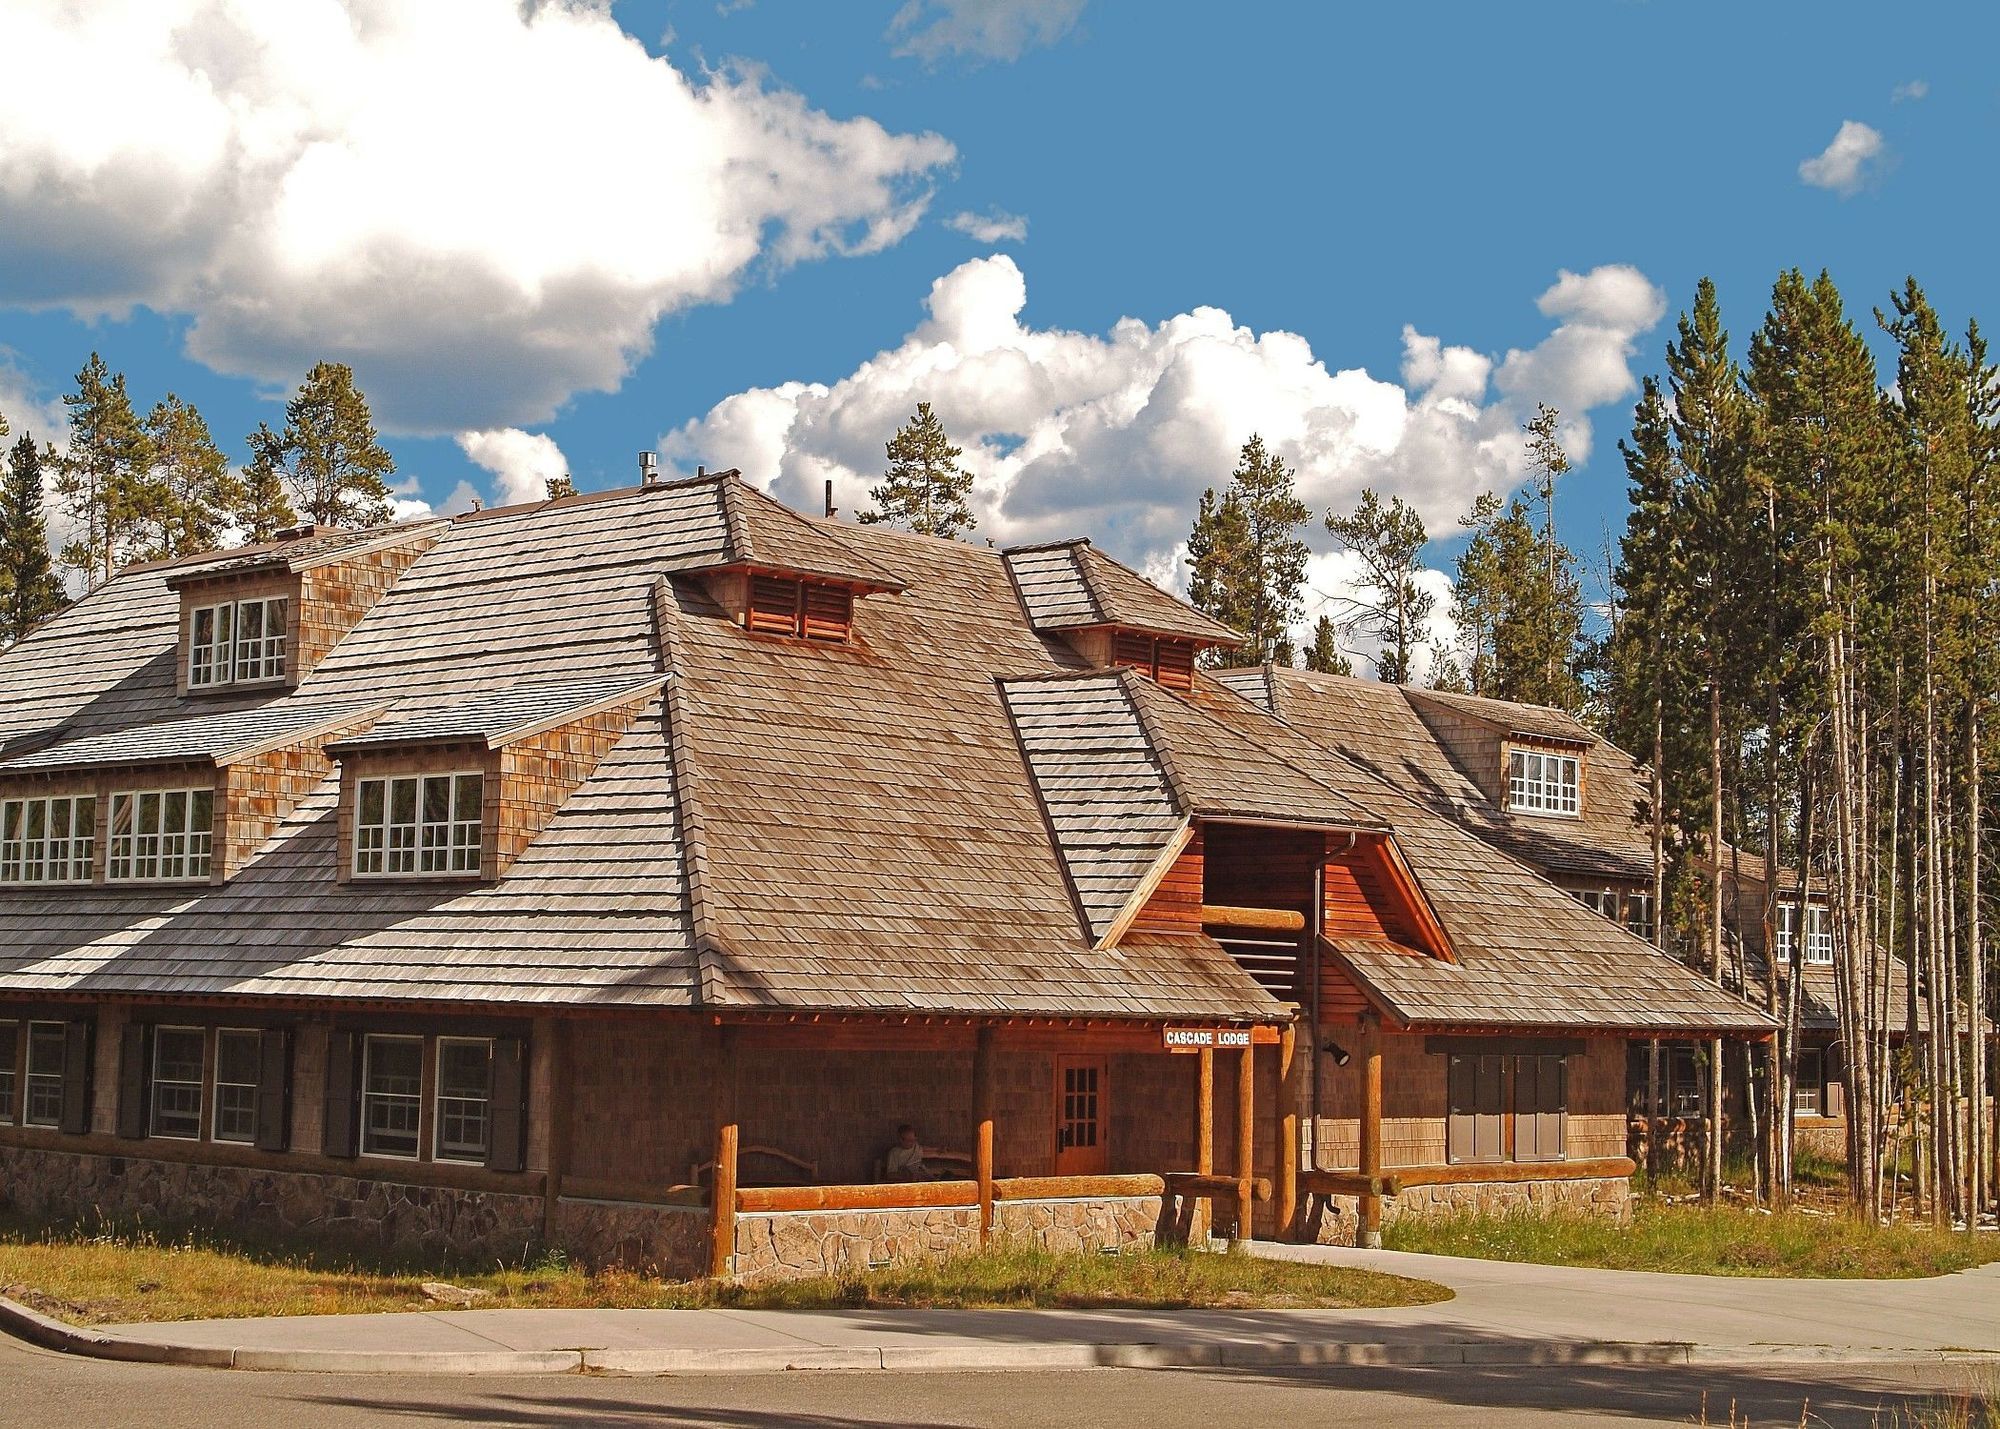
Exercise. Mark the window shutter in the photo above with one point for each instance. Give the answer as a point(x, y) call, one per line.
point(1134, 650)
point(343, 1111)
point(1176, 664)
point(1458, 1127)
point(76, 1077)
point(274, 1090)
point(133, 1067)
point(507, 1107)
point(1490, 1122)
point(774, 605)
point(829, 611)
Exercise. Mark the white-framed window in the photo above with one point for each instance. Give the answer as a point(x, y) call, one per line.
point(1819, 934)
point(47, 1042)
point(1542, 782)
point(1639, 915)
point(238, 1066)
point(1809, 1084)
point(160, 835)
point(177, 1082)
point(418, 824)
point(392, 1096)
point(464, 1089)
point(237, 642)
point(48, 839)
point(10, 1062)
point(1601, 901)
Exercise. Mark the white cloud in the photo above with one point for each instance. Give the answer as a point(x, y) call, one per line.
point(994, 227)
point(483, 205)
point(1333, 588)
point(1848, 162)
point(1915, 89)
point(1115, 435)
point(980, 29)
point(525, 462)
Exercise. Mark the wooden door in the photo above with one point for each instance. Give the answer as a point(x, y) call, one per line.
point(1083, 1120)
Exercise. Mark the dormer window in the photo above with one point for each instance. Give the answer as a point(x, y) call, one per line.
point(237, 642)
point(1540, 781)
point(48, 840)
point(1819, 934)
point(160, 836)
point(1170, 662)
point(419, 825)
point(804, 609)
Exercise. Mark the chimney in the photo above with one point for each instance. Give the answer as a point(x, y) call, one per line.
point(830, 507)
point(649, 468)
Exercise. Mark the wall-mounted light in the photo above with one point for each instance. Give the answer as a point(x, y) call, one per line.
point(1334, 1050)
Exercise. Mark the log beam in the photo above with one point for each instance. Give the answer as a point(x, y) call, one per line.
point(1369, 1233)
point(982, 1129)
point(728, 1136)
point(1287, 1209)
point(1246, 1137)
point(1270, 920)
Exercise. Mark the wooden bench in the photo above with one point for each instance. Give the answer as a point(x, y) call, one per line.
point(784, 1169)
point(944, 1165)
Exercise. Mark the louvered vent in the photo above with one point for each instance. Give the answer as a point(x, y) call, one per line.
point(813, 609)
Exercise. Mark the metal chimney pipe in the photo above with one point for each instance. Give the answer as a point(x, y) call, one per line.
point(830, 508)
point(649, 468)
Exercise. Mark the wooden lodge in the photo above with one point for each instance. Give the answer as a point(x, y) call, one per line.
point(620, 873)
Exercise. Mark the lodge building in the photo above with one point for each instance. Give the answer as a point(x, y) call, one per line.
point(619, 872)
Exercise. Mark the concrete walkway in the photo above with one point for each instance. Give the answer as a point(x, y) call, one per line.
point(1502, 1314)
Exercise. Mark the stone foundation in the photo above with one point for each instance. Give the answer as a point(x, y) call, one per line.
point(670, 1242)
point(361, 1212)
point(1332, 1220)
point(793, 1244)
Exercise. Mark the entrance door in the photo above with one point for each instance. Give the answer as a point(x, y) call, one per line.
point(1082, 1115)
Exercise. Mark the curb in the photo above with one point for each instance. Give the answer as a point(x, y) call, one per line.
point(26, 1324)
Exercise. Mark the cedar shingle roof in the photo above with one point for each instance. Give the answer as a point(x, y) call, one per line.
point(895, 823)
point(1071, 585)
point(217, 738)
point(504, 716)
point(298, 554)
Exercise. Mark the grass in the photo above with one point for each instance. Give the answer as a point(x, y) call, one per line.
point(106, 1276)
point(1702, 1241)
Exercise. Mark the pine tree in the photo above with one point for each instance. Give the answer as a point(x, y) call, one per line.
point(326, 458)
point(198, 493)
point(1395, 611)
point(1325, 654)
point(104, 480)
point(262, 508)
point(1218, 558)
point(1249, 565)
point(924, 488)
point(29, 590)
point(1526, 632)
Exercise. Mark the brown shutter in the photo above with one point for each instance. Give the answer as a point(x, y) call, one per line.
point(1458, 1125)
point(1176, 664)
point(134, 1048)
point(76, 1077)
point(343, 1094)
point(1538, 1108)
point(829, 612)
point(507, 1107)
point(274, 1090)
point(1489, 1132)
point(1133, 650)
point(774, 605)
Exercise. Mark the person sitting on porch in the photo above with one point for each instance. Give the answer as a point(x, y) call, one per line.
point(906, 1158)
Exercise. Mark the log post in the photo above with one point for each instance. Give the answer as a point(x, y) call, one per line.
point(1369, 1233)
point(559, 1112)
point(1287, 1208)
point(728, 1135)
point(982, 1128)
point(1246, 1136)
point(1200, 1225)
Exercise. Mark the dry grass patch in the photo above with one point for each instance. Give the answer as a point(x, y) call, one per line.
point(1699, 1240)
point(111, 1277)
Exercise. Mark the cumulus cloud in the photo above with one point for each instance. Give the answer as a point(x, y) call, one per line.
point(524, 462)
point(1115, 435)
point(930, 30)
point(1915, 89)
point(483, 205)
point(1848, 162)
point(994, 227)
point(1334, 588)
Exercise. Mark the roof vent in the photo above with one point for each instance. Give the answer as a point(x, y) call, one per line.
point(649, 468)
point(303, 532)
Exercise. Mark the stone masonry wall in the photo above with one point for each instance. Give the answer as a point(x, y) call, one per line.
point(1331, 1220)
point(668, 1241)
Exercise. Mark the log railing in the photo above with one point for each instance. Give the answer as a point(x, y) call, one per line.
point(1394, 1182)
point(924, 1195)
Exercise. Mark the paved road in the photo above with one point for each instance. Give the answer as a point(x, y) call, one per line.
point(41, 1388)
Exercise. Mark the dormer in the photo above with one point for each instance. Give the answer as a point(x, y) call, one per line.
point(190, 801)
point(1528, 759)
point(1109, 614)
point(261, 618)
point(460, 790)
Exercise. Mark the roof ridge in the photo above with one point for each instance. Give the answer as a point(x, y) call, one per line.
point(1169, 770)
point(1030, 547)
point(708, 948)
point(1079, 557)
point(738, 490)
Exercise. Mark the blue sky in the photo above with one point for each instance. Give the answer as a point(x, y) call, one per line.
point(529, 225)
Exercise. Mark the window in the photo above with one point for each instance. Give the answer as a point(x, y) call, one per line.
point(1809, 1085)
point(464, 1086)
point(237, 642)
point(159, 835)
point(418, 824)
point(1541, 1105)
point(1476, 1127)
point(1819, 934)
point(1540, 782)
point(48, 840)
point(10, 1061)
point(1639, 915)
point(238, 1069)
point(177, 1082)
point(815, 610)
point(1601, 901)
point(47, 1046)
point(1687, 1087)
point(1170, 662)
point(392, 1096)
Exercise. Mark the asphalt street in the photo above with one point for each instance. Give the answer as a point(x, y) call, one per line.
point(38, 1387)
